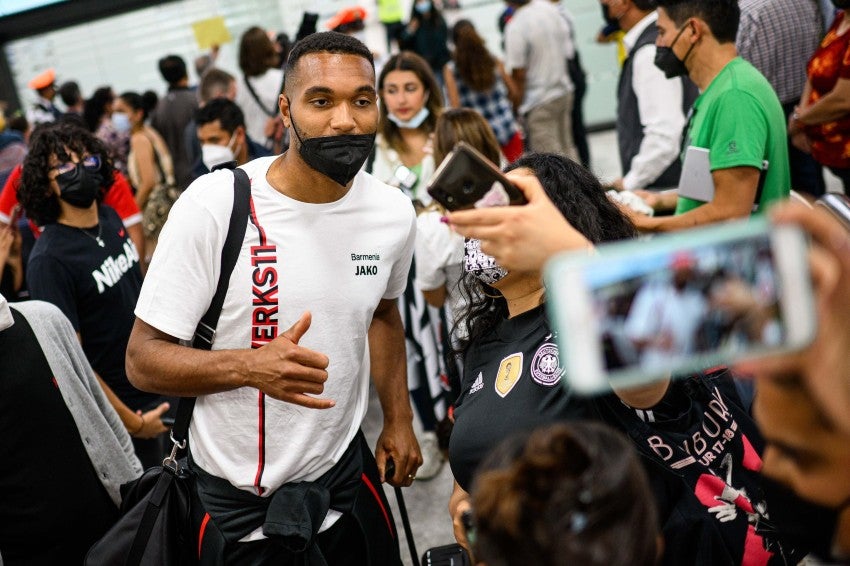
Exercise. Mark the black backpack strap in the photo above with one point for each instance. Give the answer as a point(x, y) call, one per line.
point(205, 332)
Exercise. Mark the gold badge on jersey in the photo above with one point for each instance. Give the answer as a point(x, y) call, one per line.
point(508, 375)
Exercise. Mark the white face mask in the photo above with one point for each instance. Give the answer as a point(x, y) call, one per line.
point(121, 122)
point(414, 122)
point(483, 266)
point(213, 154)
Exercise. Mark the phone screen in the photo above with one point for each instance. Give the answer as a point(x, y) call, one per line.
point(672, 307)
point(685, 303)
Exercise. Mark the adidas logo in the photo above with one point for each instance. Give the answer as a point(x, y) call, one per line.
point(478, 384)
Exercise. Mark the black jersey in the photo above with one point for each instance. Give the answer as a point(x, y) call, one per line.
point(512, 382)
point(702, 453)
point(96, 287)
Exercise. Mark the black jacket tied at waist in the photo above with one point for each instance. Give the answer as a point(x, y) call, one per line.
point(293, 514)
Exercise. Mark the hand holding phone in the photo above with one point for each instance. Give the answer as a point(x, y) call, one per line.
point(641, 311)
point(521, 238)
point(466, 179)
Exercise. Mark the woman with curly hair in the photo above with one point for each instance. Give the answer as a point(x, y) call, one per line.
point(85, 263)
point(478, 80)
point(511, 365)
point(569, 493)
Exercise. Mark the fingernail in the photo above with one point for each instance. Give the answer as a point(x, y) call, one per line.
point(444, 219)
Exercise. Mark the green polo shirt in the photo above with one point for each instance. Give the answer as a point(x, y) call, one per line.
point(740, 121)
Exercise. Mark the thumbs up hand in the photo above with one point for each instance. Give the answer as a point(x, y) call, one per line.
point(286, 371)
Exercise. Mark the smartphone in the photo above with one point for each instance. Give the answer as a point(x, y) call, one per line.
point(467, 179)
point(641, 311)
point(697, 182)
point(838, 205)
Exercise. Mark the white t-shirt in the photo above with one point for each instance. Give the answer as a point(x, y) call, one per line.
point(537, 39)
point(267, 87)
point(659, 311)
point(439, 259)
point(336, 260)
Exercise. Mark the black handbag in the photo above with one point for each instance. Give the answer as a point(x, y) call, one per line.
point(155, 527)
point(448, 555)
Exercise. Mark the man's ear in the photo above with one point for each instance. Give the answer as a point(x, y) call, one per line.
point(699, 28)
point(283, 105)
point(241, 134)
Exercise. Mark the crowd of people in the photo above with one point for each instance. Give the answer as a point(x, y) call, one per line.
point(114, 213)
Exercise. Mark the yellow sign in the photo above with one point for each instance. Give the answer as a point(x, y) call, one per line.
point(211, 31)
point(509, 373)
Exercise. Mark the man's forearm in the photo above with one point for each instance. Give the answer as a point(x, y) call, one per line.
point(158, 365)
point(389, 365)
point(705, 214)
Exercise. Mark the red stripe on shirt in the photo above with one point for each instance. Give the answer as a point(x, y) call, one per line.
point(264, 323)
point(261, 442)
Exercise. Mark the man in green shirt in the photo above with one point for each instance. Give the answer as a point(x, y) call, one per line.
point(737, 117)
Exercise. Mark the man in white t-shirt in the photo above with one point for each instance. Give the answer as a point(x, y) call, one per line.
point(665, 316)
point(537, 46)
point(275, 437)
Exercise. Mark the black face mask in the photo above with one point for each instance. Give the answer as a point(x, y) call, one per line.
point(666, 60)
point(336, 157)
point(80, 186)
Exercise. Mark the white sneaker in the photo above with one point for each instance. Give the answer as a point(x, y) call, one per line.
point(432, 458)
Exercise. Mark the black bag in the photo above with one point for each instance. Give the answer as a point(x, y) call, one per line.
point(448, 555)
point(155, 527)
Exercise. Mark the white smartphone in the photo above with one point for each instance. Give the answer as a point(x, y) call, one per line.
point(697, 182)
point(643, 310)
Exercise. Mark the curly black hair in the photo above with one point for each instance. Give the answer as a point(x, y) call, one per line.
point(580, 198)
point(40, 203)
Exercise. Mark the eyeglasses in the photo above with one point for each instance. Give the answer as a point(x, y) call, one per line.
point(91, 162)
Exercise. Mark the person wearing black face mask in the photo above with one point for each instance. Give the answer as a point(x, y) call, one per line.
point(651, 109)
point(85, 263)
point(737, 118)
point(325, 255)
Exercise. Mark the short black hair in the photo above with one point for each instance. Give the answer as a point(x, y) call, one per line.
point(644, 5)
point(70, 94)
point(722, 16)
point(173, 69)
point(325, 42)
point(225, 111)
point(40, 203)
